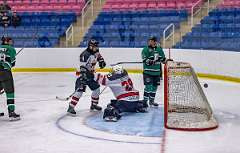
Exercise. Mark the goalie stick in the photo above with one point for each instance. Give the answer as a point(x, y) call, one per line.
point(67, 98)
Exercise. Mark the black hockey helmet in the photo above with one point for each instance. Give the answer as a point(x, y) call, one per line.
point(6, 40)
point(93, 43)
point(153, 38)
point(152, 42)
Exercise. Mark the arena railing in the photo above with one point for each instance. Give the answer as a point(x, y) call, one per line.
point(69, 35)
point(167, 36)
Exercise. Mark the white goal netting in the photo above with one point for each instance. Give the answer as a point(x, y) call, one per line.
point(186, 106)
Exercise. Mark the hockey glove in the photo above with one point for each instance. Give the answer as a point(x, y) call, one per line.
point(169, 59)
point(101, 63)
point(150, 62)
point(100, 60)
point(166, 60)
point(13, 64)
point(77, 73)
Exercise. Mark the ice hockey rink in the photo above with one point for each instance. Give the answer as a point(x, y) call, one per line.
point(45, 127)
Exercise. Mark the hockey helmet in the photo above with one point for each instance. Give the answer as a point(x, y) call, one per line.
point(153, 38)
point(7, 41)
point(152, 42)
point(117, 69)
point(93, 43)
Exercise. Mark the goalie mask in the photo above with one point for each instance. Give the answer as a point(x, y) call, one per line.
point(117, 72)
point(117, 69)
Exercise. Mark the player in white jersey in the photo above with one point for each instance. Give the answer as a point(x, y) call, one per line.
point(127, 97)
point(88, 60)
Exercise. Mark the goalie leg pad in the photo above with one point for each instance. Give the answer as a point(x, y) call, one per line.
point(142, 107)
point(111, 114)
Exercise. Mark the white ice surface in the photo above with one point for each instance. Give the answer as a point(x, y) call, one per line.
point(44, 128)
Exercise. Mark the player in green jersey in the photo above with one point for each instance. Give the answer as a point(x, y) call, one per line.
point(7, 61)
point(152, 57)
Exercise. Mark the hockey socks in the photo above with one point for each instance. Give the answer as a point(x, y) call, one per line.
point(149, 94)
point(94, 105)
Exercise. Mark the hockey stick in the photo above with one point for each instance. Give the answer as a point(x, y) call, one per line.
point(19, 51)
point(67, 98)
point(125, 63)
point(35, 35)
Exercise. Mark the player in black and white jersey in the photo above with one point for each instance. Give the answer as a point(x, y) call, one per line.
point(127, 97)
point(88, 60)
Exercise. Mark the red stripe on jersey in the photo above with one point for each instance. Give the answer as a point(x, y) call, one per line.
point(127, 95)
point(104, 80)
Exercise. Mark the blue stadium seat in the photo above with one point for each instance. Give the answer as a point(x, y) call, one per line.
point(133, 28)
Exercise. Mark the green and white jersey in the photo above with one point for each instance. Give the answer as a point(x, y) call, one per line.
point(7, 56)
point(151, 54)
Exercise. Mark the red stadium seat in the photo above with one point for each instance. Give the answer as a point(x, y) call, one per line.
point(35, 2)
point(142, 5)
point(44, 1)
point(152, 5)
point(171, 5)
point(161, 4)
point(133, 6)
point(26, 2)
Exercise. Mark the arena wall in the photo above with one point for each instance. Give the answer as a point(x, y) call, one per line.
point(213, 64)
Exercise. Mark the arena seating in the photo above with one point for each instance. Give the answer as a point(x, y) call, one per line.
point(128, 23)
point(131, 28)
point(149, 4)
point(47, 5)
point(219, 30)
point(41, 18)
point(230, 4)
point(36, 25)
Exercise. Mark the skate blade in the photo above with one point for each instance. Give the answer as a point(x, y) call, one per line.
point(70, 114)
point(95, 110)
point(153, 106)
point(107, 119)
point(14, 119)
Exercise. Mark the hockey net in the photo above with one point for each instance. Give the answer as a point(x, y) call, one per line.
point(185, 104)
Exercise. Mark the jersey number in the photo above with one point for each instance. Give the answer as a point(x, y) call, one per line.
point(2, 57)
point(128, 85)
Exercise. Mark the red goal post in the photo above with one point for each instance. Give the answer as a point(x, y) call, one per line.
point(185, 104)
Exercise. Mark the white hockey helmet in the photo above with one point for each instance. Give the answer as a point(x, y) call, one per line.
point(117, 69)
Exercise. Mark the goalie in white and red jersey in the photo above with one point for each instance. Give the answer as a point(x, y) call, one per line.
point(127, 98)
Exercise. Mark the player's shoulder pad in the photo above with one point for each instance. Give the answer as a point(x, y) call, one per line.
point(84, 56)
